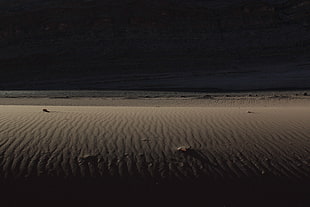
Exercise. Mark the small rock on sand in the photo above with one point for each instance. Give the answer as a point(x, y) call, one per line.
point(184, 148)
point(145, 140)
point(45, 110)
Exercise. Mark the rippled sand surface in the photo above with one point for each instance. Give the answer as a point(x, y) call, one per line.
point(128, 141)
point(132, 145)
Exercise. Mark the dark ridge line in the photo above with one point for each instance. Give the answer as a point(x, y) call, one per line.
point(210, 90)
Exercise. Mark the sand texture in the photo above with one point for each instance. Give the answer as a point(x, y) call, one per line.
point(135, 145)
point(128, 141)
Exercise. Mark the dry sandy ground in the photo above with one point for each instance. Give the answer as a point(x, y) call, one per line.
point(77, 154)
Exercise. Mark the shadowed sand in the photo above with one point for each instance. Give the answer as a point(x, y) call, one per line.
point(136, 148)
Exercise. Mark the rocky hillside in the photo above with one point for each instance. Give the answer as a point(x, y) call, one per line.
point(86, 44)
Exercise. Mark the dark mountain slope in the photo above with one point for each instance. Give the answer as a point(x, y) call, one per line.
point(153, 44)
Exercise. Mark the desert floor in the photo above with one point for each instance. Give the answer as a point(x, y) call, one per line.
point(238, 151)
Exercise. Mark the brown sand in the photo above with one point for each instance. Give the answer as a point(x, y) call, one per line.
point(137, 147)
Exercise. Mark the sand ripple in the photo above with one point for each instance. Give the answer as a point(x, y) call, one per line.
point(74, 141)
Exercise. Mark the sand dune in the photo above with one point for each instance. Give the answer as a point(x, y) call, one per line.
point(140, 143)
point(129, 141)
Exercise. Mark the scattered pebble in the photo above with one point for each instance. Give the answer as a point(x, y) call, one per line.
point(249, 112)
point(183, 148)
point(45, 110)
point(305, 94)
point(145, 140)
point(88, 159)
point(206, 97)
